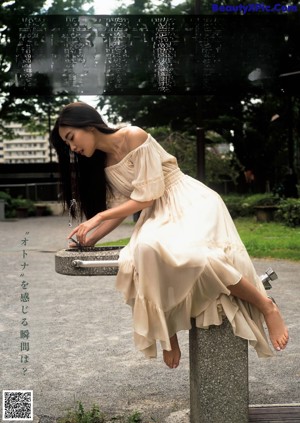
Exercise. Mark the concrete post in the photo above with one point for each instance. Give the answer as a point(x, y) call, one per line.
point(2, 209)
point(218, 375)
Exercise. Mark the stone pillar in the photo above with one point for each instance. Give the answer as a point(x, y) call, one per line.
point(2, 209)
point(218, 375)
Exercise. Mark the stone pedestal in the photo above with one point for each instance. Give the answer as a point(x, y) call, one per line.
point(218, 375)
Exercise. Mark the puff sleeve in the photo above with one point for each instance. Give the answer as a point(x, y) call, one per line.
point(148, 176)
point(114, 198)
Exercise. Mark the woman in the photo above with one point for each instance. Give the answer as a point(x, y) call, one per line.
point(185, 258)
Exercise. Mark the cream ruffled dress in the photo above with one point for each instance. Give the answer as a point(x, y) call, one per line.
point(183, 254)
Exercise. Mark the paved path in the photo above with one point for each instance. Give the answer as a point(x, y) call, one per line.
point(81, 346)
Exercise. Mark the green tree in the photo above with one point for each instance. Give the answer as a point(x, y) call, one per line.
point(8, 13)
point(143, 7)
point(69, 7)
point(240, 118)
point(30, 106)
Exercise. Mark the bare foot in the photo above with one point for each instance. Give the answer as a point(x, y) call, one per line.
point(278, 332)
point(172, 358)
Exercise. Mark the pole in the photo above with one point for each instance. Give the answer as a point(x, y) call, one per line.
point(290, 133)
point(200, 133)
point(49, 131)
point(200, 143)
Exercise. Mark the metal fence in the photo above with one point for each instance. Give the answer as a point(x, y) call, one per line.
point(41, 191)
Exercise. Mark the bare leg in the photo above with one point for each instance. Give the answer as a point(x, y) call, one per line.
point(278, 332)
point(172, 358)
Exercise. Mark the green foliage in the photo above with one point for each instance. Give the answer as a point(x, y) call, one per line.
point(24, 203)
point(24, 108)
point(69, 7)
point(221, 167)
point(8, 42)
point(242, 119)
point(269, 240)
point(289, 212)
point(80, 415)
point(135, 418)
point(178, 113)
point(4, 196)
point(180, 145)
point(259, 144)
point(265, 200)
point(234, 204)
point(119, 242)
point(12, 204)
point(243, 206)
point(140, 7)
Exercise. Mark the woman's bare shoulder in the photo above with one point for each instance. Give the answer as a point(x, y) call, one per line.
point(135, 136)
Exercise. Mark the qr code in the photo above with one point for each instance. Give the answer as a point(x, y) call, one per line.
point(17, 405)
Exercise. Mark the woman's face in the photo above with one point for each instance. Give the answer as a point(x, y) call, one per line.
point(81, 141)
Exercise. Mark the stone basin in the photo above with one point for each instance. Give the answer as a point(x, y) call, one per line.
point(88, 261)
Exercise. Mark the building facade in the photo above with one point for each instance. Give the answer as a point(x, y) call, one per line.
point(26, 147)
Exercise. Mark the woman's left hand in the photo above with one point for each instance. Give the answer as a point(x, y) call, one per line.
point(84, 228)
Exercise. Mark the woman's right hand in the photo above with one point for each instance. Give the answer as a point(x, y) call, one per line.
point(75, 244)
point(84, 228)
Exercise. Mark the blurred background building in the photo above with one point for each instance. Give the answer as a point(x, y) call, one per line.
point(25, 146)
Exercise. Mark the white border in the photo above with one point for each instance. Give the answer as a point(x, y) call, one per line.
point(17, 390)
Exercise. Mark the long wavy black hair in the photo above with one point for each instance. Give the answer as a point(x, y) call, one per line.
point(82, 178)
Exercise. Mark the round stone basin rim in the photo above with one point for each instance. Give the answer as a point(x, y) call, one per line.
point(93, 249)
point(88, 261)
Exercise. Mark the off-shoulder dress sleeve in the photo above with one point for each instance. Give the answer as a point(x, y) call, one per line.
point(114, 198)
point(148, 179)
